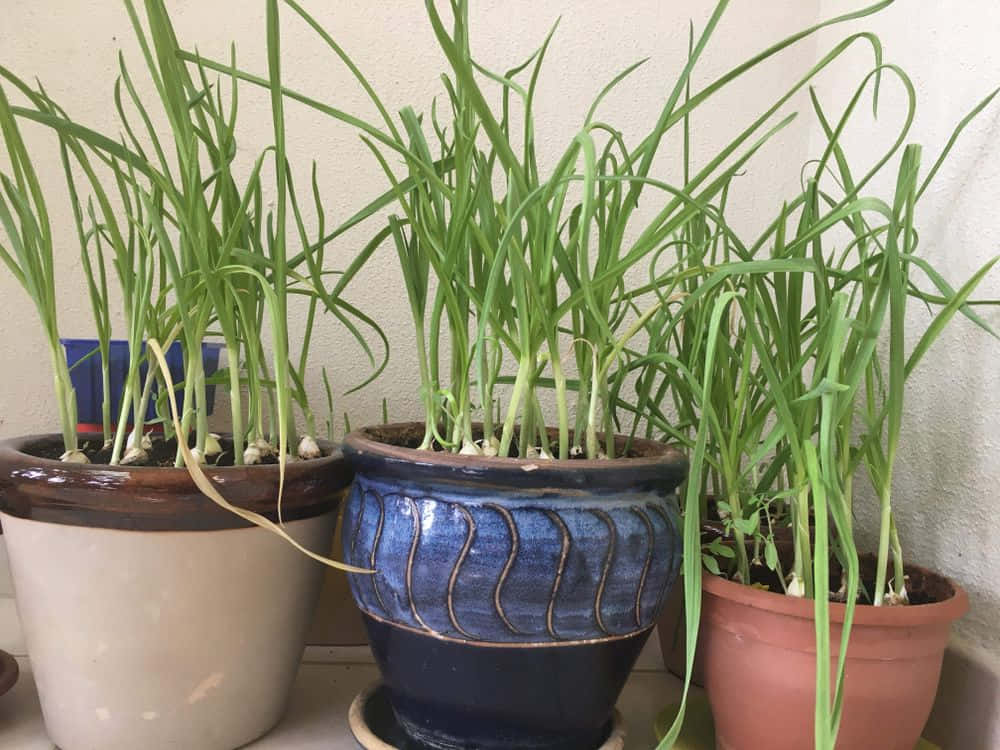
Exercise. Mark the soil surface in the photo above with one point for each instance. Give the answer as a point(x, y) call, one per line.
point(922, 587)
point(162, 454)
point(412, 435)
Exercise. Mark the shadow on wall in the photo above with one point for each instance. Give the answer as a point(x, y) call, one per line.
point(964, 713)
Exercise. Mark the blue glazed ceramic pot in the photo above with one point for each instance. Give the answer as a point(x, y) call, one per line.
point(511, 597)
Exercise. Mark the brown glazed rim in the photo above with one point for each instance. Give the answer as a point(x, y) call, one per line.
point(912, 615)
point(657, 465)
point(146, 498)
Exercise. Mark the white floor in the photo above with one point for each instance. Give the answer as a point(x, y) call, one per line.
point(317, 717)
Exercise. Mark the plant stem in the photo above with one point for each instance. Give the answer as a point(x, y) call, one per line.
point(882, 562)
point(235, 398)
point(517, 393)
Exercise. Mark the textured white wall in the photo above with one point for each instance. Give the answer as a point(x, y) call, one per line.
point(72, 48)
point(947, 473)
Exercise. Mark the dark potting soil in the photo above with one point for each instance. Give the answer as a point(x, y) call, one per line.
point(411, 436)
point(922, 586)
point(162, 454)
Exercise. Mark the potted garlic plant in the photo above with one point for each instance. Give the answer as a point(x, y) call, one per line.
point(849, 646)
point(155, 614)
point(501, 545)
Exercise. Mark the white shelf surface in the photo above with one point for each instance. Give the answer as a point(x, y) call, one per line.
point(327, 682)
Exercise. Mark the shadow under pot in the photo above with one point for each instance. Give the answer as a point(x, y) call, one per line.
point(892, 670)
point(511, 596)
point(154, 618)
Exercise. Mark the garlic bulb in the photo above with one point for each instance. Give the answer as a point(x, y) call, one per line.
point(145, 442)
point(134, 456)
point(796, 587)
point(212, 445)
point(265, 448)
point(308, 448)
point(469, 449)
point(75, 457)
point(491, 447)
point(252, 455)
point(896, 599)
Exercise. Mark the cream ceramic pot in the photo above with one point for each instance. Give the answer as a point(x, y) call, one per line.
point(184, 631)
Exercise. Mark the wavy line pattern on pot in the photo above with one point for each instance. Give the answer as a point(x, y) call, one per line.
point(471, 567)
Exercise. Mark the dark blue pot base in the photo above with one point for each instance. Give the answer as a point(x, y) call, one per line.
point(375, 727)
point(450, 695)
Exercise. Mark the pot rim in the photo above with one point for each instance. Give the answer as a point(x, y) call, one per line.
point(659, 464)
point(155, 498)
point(14, 449)
point(912, 615)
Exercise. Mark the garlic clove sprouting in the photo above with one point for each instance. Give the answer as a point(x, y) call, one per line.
point(134, 456)
point(76, 456)
point(308, 448)
point(796, 587)
point(896, 599)
point(469, 448)
point(252, 455)
point(265, 448)
point(199, 457)
point(212, 445)
point(575, 452)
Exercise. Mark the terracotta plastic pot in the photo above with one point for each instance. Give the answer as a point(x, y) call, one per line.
point(512, 596)
point(671, 627)
point(153, 618)
point(893, 666)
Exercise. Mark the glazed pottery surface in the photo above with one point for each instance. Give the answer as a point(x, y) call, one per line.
point(165, 638)
point(374, 725)
point(511, 597)
point(893, 666)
